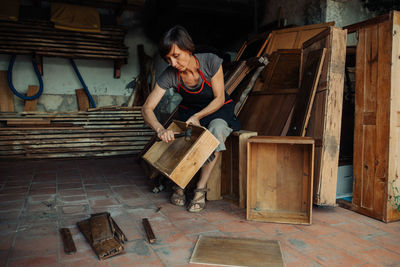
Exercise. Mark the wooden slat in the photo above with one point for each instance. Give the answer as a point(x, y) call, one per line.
point(6, 96)
point(82, 99)
point(305, 97)
point(30, 105)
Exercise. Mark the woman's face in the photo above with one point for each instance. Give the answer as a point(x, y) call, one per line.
point(178, 58)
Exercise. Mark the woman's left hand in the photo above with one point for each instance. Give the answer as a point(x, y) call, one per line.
point(193, 120)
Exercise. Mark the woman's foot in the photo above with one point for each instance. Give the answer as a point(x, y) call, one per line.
point(199, 200)
point(178, 197)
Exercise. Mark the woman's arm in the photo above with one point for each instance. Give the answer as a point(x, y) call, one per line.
point(150, 118)
point(218, 87)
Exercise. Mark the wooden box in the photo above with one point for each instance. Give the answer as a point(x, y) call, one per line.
point(180, 160)
point(280, 179)
point(234, 167)
point(376, 183)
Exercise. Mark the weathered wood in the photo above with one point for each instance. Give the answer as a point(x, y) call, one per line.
point(376, 133)
point(280, 179)
point(82, 99)
point(228, 251)
point(234, 166)
point(6, 95)
point(306, 94)
point(149, 231)
point(181, 159)
point(69, 245)
point(214, 181)
point(30, 105)
point(293, 38)
point(118, 136)
point(325, 119)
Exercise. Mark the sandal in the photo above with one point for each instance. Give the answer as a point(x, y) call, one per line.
point(176, 198)
point(197, 205)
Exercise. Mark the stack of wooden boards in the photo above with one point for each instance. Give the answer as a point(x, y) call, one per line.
point(42, 39)
point(116, 131)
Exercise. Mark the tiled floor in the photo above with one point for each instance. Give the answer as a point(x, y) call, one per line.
point(39, 197)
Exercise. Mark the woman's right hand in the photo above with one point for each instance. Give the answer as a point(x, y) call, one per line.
point(166, 135)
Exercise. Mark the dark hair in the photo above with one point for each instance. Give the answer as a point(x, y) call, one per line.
point(176, 35)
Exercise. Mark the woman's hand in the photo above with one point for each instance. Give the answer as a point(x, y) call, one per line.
point(193, 120)
point(166, 135)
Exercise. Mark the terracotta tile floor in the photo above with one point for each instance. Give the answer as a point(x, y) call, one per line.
point(37, 198)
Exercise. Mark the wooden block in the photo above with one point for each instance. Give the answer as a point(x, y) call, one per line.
point(83, 99)
point(149, 231)
point(229, 251)
point(30, 105)
point(181, 159)
point(6, 95)
point(280, 179)
point(69, 245)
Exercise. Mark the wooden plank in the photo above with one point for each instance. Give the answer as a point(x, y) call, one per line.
point(276, 168)
point(149, 231)
point(30, 105)
point(305, 97)
point(6, 95)
point(325, 120)
point(228, 251)
point(393, 214)
point(82, 99)
point(214, 181)
point(69, 245)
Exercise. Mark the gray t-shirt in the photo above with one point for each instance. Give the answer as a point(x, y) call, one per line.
point(209, 65)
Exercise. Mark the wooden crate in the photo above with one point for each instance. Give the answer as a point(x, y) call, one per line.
point(280, 179)
point(376, 183)
point(181, 159)
point(234, 167)
point(325, 119)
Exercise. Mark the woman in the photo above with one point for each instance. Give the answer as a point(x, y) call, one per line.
point(199, 79)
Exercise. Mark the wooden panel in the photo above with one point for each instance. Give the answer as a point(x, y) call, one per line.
point(234, 166)
point(306, 94)
point(293, 38)
point(376, 107)
point(282, 72)
point(267, 113)
point(214, 182)
point(181, 159)
point(325, 119)
point(82, 99)
point(279, 179)
point(228, 251)
point(30, 105)
point(6, 95)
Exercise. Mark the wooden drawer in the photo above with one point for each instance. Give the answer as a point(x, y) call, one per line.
point(280, 179)
point(181, 159)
